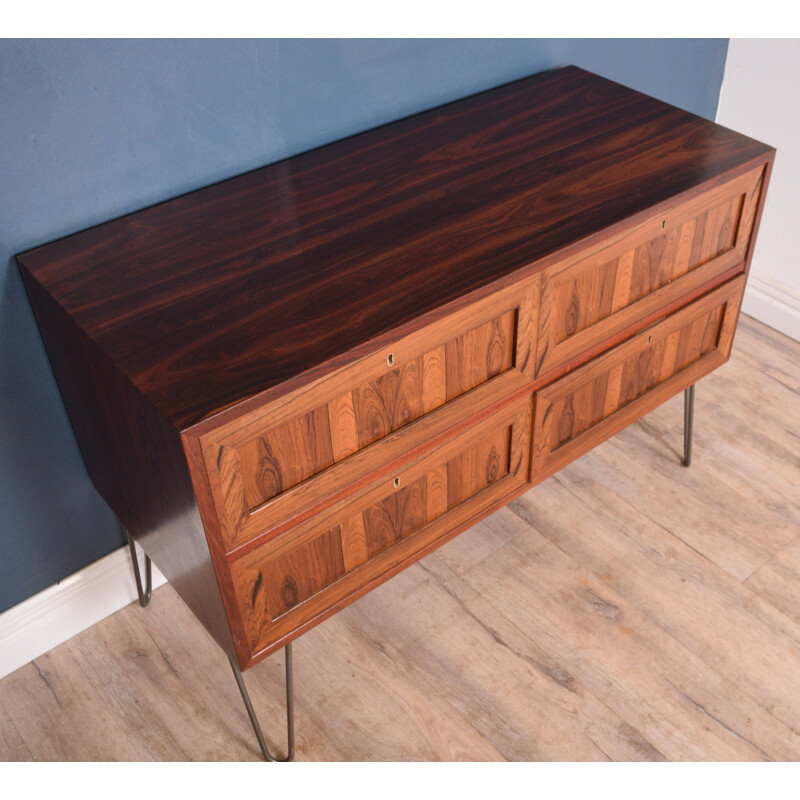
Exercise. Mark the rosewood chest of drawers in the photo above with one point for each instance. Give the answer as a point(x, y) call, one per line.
point(292, 384)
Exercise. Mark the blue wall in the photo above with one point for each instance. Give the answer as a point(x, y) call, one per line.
point(93, 129)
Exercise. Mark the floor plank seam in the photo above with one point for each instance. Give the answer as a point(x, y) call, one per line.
point(514, 507)
point(568, 683)
point(703, 710)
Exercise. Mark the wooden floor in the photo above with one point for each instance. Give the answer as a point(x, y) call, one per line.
point(626, 609)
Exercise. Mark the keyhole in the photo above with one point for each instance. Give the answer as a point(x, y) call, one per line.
point(390, 359)
point(396, 482)
point(649, 339)
point(663, 224)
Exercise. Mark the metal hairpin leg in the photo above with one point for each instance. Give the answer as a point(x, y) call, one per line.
point(144, 593)
point(688, 418)
point(144, 598)
point(289, 708)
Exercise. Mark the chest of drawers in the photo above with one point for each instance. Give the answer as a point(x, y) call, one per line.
point(293, 384)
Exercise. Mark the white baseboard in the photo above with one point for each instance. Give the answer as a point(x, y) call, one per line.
point(49, 618)
point(773, 303)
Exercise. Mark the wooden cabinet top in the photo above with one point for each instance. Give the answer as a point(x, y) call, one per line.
point(232, 290)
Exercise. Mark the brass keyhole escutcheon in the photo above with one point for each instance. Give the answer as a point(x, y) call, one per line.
point(390, 359)
point(396, 482)
point(663, 224)
point(649, 339)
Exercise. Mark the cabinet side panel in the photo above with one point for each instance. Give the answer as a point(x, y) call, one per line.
point(135, 460)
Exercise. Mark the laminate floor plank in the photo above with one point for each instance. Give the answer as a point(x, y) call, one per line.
point(175, 690)
point(739, 503)
point(378, 710)
point(778, 581)
point(771, 352)
point(716, 509)
point(678, 703)
point(627, 609)
point(12, 745)
point(76, 700)
point(526, 704)
point(755, 431)
point(712, 614)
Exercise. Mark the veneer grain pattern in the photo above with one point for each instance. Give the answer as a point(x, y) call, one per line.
point(379, 229)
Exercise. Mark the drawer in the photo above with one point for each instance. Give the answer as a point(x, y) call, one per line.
point(298, 577)
point(595, 295)
point(597, 400)
point(278, 462)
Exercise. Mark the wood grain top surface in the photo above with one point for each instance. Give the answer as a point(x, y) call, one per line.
point(210, 298)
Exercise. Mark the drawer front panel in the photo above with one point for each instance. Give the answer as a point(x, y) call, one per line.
point(282, 457)
point(302, 573)
point(266, 469)
point(579, 411)
point(593, 296)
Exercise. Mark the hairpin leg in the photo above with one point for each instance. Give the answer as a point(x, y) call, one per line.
point(289, 708)
point(144, 593)
point(688, 419)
